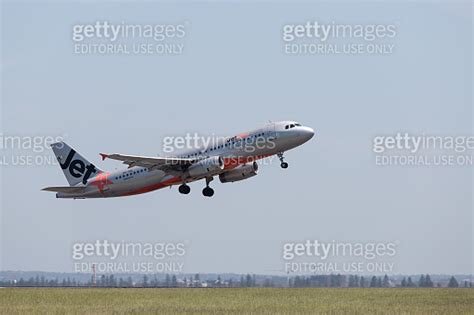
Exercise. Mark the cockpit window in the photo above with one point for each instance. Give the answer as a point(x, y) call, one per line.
point(292, 125)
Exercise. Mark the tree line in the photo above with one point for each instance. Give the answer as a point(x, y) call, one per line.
point(244, 281)
point(355, 281)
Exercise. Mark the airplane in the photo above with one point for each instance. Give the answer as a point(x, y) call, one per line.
point(231, 159)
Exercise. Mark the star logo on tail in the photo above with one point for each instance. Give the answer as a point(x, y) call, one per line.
point(101, 181)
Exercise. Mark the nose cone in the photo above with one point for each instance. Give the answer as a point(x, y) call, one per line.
point(306, 133)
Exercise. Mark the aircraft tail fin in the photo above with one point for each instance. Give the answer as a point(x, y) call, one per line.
point(75, 167)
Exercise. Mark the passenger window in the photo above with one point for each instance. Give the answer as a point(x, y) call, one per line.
point(286, 127)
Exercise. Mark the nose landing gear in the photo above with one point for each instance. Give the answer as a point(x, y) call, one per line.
point(283, 163)
point(208, 191)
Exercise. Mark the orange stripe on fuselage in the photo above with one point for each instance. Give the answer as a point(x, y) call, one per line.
point(146, 189)
point(229, 163)
point(101, 181)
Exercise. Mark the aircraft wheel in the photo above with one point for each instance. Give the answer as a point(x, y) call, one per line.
point(208, 192)
point(284, 165)
point(184, 189)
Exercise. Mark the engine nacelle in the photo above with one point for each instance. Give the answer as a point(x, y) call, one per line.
point(239, 173)
point(209, 166)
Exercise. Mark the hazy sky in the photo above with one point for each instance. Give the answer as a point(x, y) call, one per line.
point(233, 76)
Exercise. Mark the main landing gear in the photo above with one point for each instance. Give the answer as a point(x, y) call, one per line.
point(184, 189)
point(208, 191)
point(283, 163)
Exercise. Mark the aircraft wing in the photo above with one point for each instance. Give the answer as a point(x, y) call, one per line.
point(172, 163)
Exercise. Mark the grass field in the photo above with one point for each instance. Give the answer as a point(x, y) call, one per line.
point(224, 301)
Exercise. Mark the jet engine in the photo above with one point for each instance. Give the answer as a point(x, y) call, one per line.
point(209, 166)
point(240, 173)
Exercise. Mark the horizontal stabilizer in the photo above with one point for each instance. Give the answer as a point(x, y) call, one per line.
point(67, 190)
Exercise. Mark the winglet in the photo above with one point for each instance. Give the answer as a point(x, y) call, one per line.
point(104, 156)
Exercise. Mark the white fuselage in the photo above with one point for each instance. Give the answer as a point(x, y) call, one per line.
point(235, 151)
